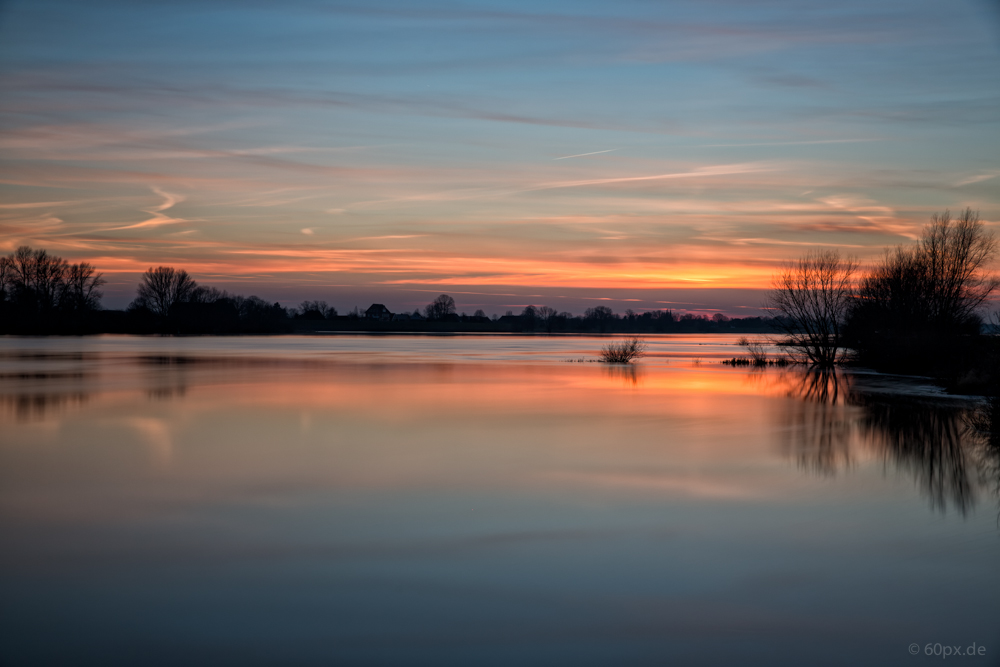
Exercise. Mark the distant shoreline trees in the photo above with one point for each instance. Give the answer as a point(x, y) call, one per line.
point(440, 308)
point(169, 300)
point(43, 292)
point(162, 288)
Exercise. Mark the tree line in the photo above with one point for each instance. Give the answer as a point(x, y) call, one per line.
point(43, 294)
point(40, 292)
point(598, 319)
point(917, 309)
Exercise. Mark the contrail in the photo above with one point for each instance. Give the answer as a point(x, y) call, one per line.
point(789, 143)
point(566, 157)
point(720, 170)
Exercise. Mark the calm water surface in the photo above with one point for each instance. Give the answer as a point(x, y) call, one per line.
point(482, 500)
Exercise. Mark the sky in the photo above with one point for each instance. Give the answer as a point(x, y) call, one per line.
point(637, 154)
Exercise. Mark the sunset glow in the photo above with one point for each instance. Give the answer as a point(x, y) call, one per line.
point(648, 155)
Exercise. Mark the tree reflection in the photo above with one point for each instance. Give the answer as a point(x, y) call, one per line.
point(930, 441)
point(33, 385)
point(626, 373)
point(38, 406)
point(985, 423)
point(936, 442)
point(819, 427)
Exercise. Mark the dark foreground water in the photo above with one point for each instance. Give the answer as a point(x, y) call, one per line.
point(483, 501)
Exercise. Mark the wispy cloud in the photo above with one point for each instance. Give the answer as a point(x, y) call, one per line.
point(790, 143)
point(979, 178)
point(566, 157)
point(41, 204)
point(719, 170)
point(159, 219)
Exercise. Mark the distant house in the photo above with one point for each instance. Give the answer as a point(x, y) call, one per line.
point(378, 312)
point(401, 317)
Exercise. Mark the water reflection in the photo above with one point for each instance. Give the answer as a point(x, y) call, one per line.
point(34, 385)
point(819, 426)
point(985, 422)
point(166, 392)
point(342, 502)
point(932, 440)
point(628, 374)
point(28, 407)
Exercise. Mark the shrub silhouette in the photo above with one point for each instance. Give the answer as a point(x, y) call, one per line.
point(623, 352)
point(755, 348)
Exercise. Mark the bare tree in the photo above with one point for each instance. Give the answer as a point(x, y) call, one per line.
point(956, 252)
point(546, 316)
point(938, 285)
point(81, 288)
point(601, 315)
point(37, 288)
point(163, 287)
point(812, 298)
point(316, 310)
point(6, 278)
point(36, 277)
point(440, 308)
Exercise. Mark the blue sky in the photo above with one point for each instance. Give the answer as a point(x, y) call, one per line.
point(566, 153)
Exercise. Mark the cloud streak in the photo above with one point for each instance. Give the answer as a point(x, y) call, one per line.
point(159, 219)
point(567, 157)
point(701, 172)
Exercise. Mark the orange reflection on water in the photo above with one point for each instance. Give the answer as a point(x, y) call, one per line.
point(197, 433)
point(174, 429)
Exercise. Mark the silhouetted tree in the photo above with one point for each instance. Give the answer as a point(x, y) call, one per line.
point(41, 292)
point(813, 297)
point(163, 287)
point(918, 295)
point(599, 315)
point(316, 310)
point(6, 274)
point(545, 316)
point(528, 317)
point(440, 308)
point(81, 289)
point(36, 278)
point(259, 316)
